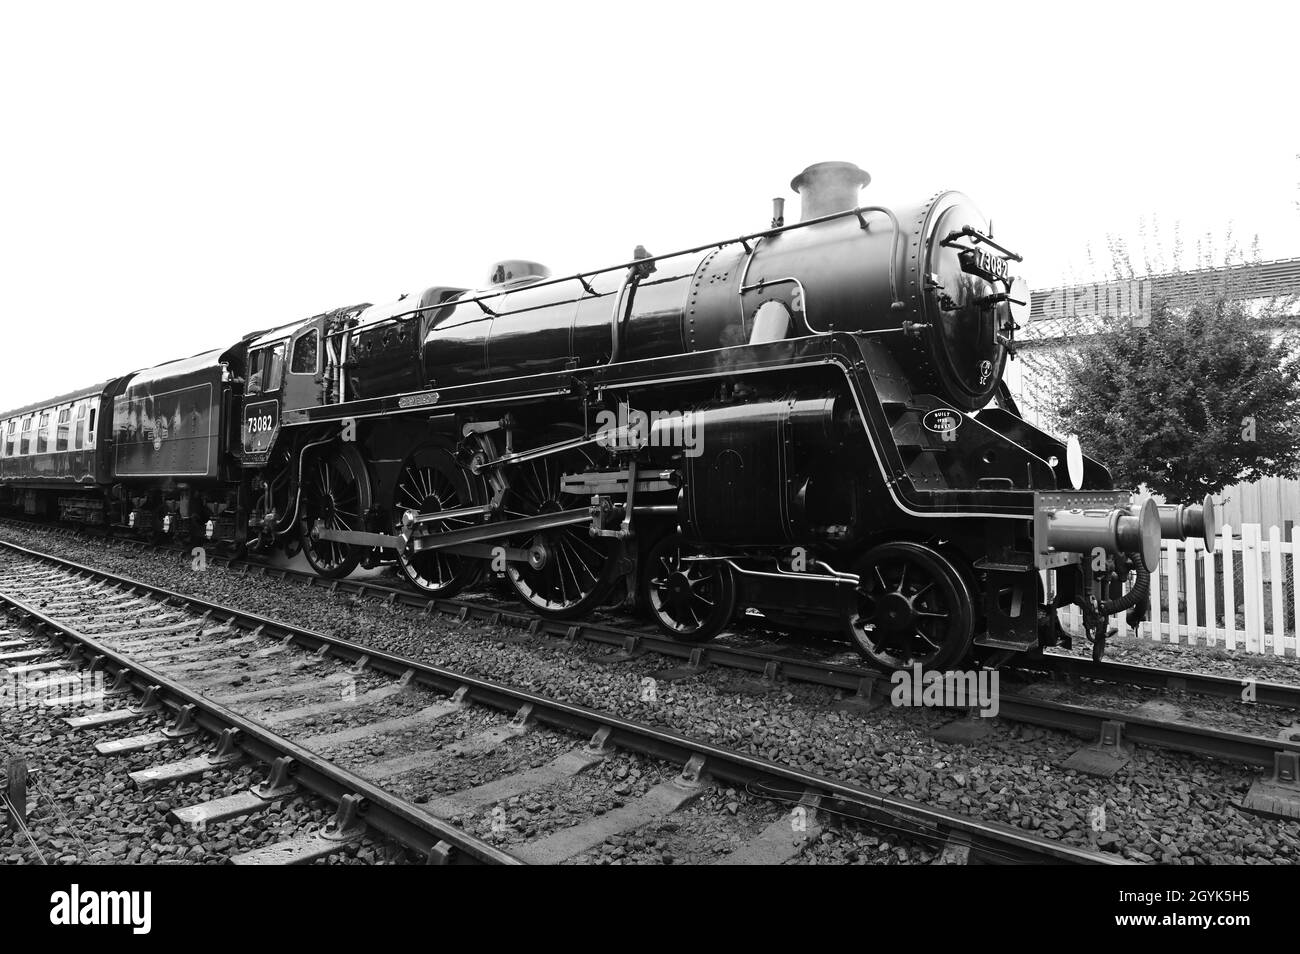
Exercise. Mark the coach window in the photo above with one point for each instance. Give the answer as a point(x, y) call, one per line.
point(10, 430)
point(43, 433)
point(79, 427)
point(65, 425)
point(25, 439)
point(90, 428)
point(305, 351)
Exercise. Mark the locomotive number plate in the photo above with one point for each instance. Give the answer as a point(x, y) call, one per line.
point(987, 265)
point(261, 421)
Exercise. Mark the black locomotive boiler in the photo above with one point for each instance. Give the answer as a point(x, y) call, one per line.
point(806, 424)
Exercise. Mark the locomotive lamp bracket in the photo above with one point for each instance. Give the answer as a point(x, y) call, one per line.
point(989, 301)
point(953, 240)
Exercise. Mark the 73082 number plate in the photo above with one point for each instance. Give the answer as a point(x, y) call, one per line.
point(261, 421)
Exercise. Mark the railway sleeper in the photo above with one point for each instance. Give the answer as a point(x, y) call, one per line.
point(784, 839)
point(345, 828)
point(1279, 796)
point(1106, 757)
point(278, 785)
point(664, 799)
point(226, 753)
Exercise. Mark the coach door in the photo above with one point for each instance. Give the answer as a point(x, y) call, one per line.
point(263, 390)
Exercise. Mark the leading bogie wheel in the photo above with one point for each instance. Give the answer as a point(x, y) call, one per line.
point(690, 599)
point(911, 605)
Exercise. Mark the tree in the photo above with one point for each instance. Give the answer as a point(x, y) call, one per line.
point(1196, 400)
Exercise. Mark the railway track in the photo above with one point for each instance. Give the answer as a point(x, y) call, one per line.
point(164, 646)
point(1111, 728)
point(1265, 693)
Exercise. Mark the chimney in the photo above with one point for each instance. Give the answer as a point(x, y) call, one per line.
point(828, 187)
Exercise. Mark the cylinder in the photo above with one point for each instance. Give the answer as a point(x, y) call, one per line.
point(1136, 530)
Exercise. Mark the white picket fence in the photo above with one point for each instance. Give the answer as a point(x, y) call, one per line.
point(1198, 597)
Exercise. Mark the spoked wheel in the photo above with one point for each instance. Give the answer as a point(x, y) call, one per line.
point(336, 491)
point(430, 481)
point(911, 605)
point(570, 572)
point(690, 600)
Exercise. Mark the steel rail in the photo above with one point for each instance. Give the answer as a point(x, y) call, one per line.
point(379, 809)
point(1203, 683)
point(990, 841)
point(1177, 736)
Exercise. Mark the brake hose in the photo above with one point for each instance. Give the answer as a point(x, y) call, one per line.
point(1135, 598)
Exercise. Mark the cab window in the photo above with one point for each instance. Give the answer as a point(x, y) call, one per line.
point(305, 350)
point(275, 369)
point(255, 371)
point(265, 369)
point(90, 428)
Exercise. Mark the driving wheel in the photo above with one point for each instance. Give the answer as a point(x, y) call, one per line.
point(568, 572)
point(430, 481)
point(336, 491)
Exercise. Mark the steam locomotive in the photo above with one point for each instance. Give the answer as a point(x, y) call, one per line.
point(805, 424)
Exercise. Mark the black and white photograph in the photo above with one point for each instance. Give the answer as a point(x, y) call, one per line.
point(664, 434)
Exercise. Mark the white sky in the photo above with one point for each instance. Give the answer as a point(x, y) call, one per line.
point(175, 175)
